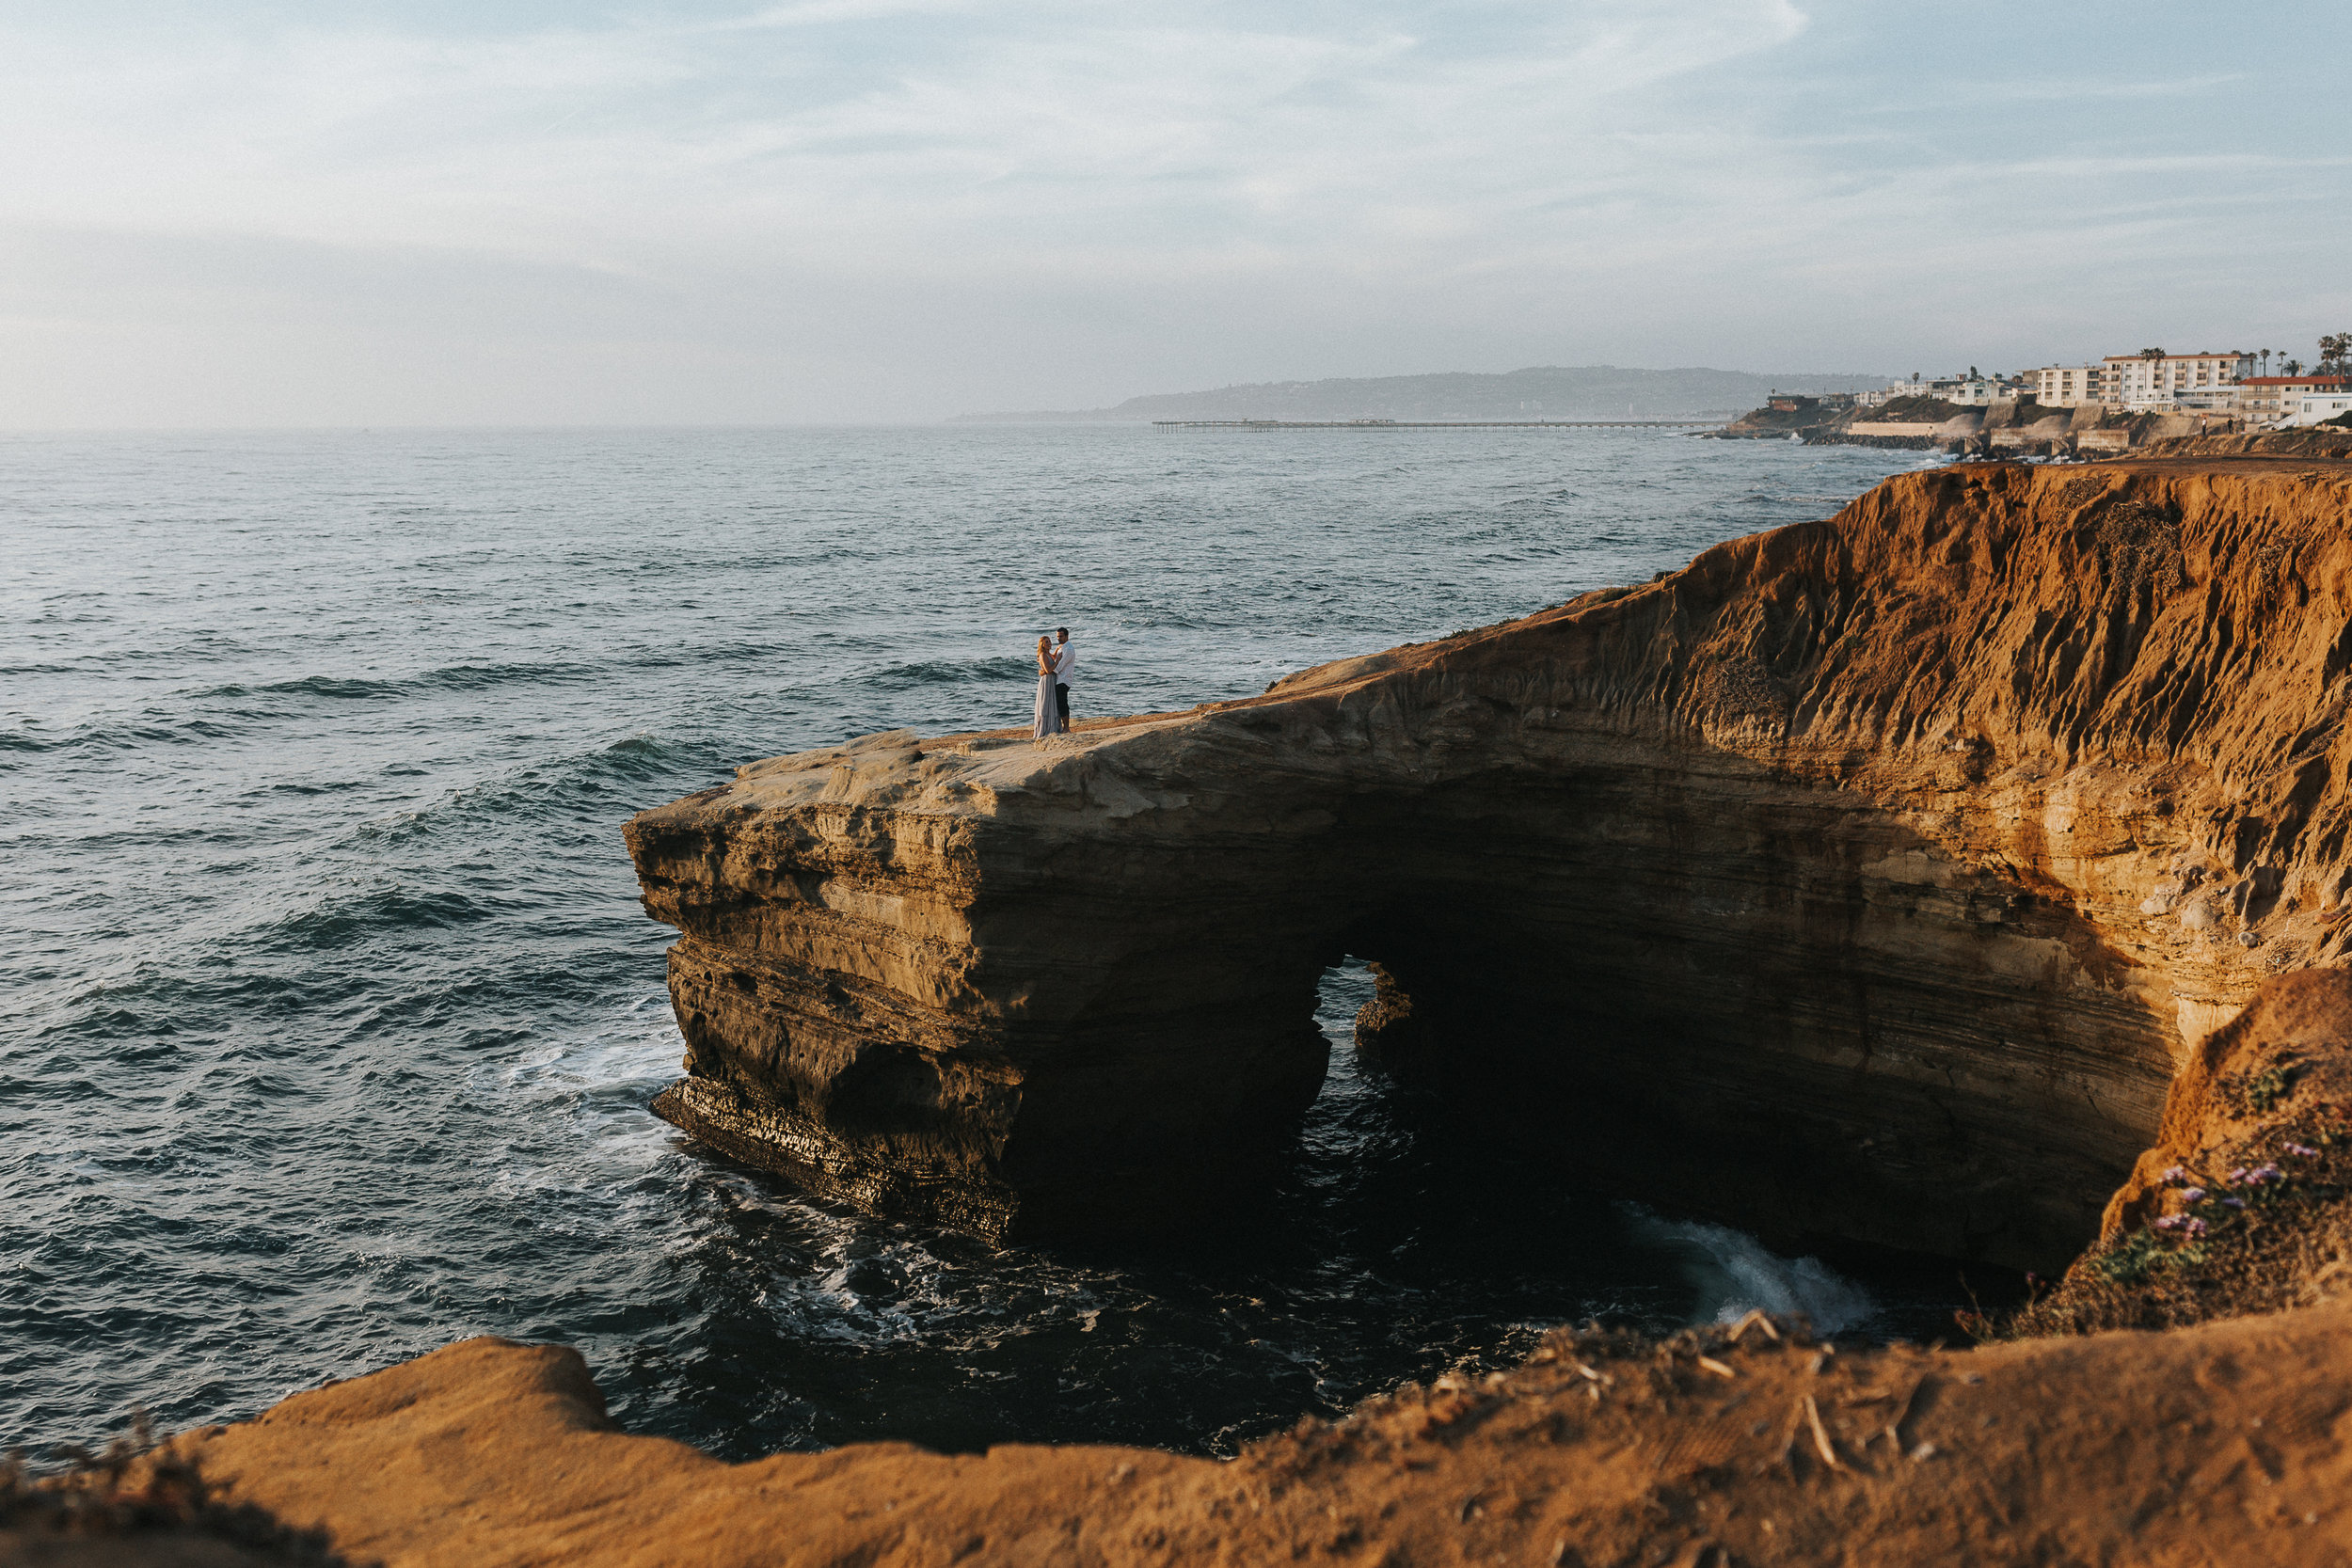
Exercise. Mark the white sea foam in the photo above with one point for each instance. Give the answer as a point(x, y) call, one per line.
point(1734, 1273)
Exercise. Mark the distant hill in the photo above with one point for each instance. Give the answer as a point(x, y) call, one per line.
point(1540, 392)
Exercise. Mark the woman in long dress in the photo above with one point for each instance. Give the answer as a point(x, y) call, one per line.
point(1047, 718)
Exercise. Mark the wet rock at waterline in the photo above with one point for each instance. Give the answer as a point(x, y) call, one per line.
point(1866, 876)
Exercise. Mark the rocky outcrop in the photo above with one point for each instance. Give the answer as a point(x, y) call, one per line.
point(2220, 1444)
point(2327, 441)
point(1919, 423)
point(2015, 427)
point(1866, 875)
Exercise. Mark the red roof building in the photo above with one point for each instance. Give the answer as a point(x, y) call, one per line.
point(2268, 398)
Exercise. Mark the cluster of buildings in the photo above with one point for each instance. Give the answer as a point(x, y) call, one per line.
point(2151, 382)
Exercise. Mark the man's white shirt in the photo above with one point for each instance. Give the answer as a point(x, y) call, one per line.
point(1065, 662)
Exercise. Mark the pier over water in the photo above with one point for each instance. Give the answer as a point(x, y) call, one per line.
point(1436, 424)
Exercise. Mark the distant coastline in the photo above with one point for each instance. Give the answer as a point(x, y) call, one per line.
point(1553, 391)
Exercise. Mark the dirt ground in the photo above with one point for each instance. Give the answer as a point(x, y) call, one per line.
point(2226, 1446)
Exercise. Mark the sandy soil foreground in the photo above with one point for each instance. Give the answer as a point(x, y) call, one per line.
point(2229, 1444)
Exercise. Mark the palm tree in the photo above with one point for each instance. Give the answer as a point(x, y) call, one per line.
point(2293, 367)
point(2263, 355)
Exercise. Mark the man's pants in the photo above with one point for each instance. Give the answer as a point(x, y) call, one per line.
point(1062, 700)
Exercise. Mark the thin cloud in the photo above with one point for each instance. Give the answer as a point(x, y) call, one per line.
point(1289, 188)
point(2081, 90)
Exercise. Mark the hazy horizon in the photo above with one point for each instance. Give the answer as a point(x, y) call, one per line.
point(862, 212)
point(964, 419)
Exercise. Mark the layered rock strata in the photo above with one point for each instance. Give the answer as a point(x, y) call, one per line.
point(1865, 876)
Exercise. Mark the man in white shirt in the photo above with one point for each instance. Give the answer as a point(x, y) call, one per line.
point(1065, 666)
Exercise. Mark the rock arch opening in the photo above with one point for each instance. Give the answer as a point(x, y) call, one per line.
point(1809, 1028)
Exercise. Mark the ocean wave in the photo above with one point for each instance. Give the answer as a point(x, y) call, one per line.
point(115, 735)
point(580, 779)
point(1735, 1273)
point(340, 923)
point(230, 710)
point(340, 688)
point(452, 677)
point(900, 677)
point(721, 654)
point(475, 677)
point(395, 968)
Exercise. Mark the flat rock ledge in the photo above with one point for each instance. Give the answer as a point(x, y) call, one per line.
point(1867, 876)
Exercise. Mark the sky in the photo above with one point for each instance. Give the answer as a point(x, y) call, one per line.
point(724, 212)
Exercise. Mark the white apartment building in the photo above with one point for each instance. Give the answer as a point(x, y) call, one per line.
point(2276, 399)
point(2319, 407)
point(1914, 389)
point(1971, 392)
point(2068, 385)
point(2138, 380)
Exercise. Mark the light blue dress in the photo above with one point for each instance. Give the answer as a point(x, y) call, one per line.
point(1046, 720)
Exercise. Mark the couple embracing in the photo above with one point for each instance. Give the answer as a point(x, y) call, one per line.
point(1056, 663)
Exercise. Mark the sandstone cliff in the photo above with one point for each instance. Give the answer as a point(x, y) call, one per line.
point(2325, 441)
point(2018, 427)
point(1865, 876)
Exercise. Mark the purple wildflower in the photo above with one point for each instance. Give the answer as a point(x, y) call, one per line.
point(2194, 1194)
point(2174, 1177)
point(2194, 1228)
point(2172, 1222)
point(2261, 1176)
point(2303, 1151)
point(2234, 1203)
point(2238, 1177)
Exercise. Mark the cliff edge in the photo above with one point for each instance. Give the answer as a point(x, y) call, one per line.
point(1723, 1447)
point(1938, 830)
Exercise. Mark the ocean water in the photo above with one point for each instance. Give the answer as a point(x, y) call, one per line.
point(331, 1019)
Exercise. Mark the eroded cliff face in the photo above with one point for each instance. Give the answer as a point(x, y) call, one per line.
point(1865, 876)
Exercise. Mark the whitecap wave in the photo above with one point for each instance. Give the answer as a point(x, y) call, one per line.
point(1734, 1273)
